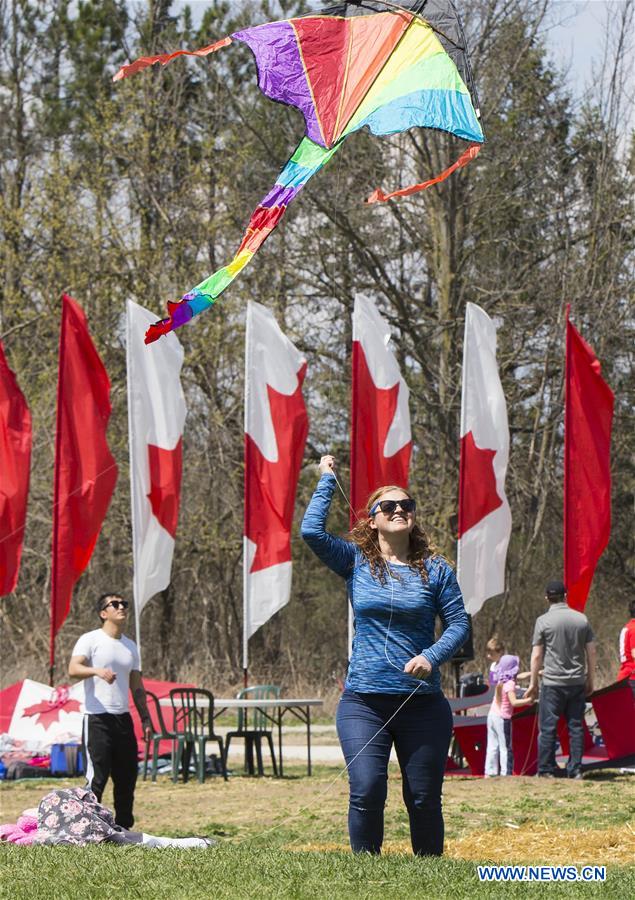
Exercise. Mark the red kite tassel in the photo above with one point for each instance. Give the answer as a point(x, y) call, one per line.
point(164, 58)
point(472, 151)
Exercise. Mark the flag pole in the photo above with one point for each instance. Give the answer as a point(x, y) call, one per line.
point(133, 484)
point(567, 436)
point(353, 472)
point(246, 501)
point(461, 456)
point(56, 491)
point(457, 663)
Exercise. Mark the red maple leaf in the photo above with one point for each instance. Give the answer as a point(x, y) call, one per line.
point(272, 484)
point(48, 711)
point(375, 410)
point(166, 468)
point(479, 496)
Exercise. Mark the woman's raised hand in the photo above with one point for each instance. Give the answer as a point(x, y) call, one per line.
point(327, 464)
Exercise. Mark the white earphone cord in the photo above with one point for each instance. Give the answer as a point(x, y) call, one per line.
point(392, 588)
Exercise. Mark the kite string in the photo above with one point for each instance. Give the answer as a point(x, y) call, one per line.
point(72, 493)
point(332, 782)
point(344, 495)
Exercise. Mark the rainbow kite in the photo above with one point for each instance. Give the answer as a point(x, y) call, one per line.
point(366, 64)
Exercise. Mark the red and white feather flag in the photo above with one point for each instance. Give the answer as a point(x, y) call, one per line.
point(381, 440)
point(156, 416)
point(484, 515)
point(276, 427)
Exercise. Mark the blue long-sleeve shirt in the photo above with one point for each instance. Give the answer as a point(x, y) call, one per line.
point(393, 621)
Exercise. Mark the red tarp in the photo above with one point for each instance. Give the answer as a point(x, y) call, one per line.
point(471, 736)
point(525, 741)
point(8, 699)
point(614, 707)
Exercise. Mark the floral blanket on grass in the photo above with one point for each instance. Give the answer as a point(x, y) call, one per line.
point(74, 816)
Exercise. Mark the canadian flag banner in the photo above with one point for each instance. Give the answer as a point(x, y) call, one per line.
point(484, 515)
point(85, 472)
point(588, 420)
point(15, 466)
point(45, 715)
point(276, 427)
point(156, 415)
point(381, 440)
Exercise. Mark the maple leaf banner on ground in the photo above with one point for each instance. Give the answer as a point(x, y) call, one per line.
point(85, 470)
point(41, 715)
point(48, 711)
point(381, 439)
point(156, 418)
point(484, 513)
point(15, 466)
point(276, 428)
point(349, 67)
point(587, 466)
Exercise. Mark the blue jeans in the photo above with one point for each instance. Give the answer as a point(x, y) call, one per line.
point(556, 701)
point(421, 733)
point(499, 758)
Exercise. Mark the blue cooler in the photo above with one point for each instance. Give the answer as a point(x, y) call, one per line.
point(67, 759)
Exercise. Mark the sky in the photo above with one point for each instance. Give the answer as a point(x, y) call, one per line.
point(576, 41)
point(573, 38)
point(573, 35)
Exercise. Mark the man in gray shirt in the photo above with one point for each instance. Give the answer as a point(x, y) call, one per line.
point(564, 647)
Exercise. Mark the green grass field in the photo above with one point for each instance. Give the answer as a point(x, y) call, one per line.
point(287, 838)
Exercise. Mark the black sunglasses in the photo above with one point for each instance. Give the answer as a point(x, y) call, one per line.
point(388, 507)
point(117, 604)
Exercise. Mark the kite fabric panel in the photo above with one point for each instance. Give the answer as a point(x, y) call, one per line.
point(366, 64)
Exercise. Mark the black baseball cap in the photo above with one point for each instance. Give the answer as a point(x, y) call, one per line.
point(555, 588)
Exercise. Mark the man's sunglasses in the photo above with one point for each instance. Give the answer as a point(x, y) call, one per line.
point(388, 507)
point(117, 604)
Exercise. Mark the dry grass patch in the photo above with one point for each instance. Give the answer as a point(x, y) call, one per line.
point(530, 844)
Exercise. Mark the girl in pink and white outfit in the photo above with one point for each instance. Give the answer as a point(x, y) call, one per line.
point(499, 759)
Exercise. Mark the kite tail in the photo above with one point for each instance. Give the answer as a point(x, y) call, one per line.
point(471, 153)
point(164, 58)
point(308, 159)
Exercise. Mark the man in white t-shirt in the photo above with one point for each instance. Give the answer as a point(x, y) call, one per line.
point(109, 661)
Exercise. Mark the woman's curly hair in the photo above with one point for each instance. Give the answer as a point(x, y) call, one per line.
point(366, 538)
